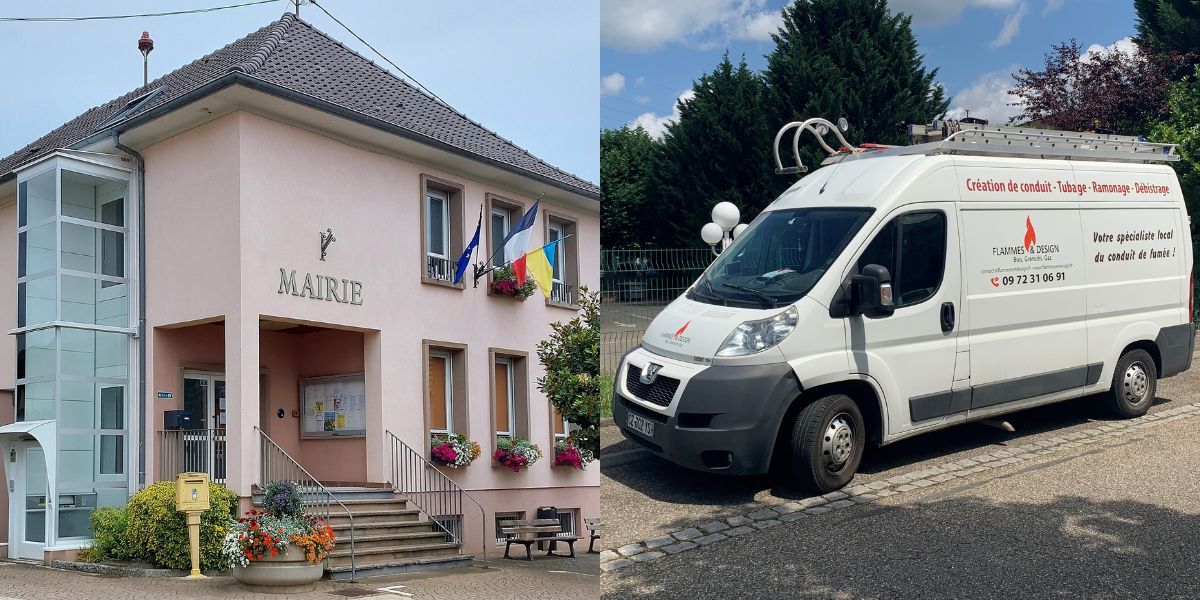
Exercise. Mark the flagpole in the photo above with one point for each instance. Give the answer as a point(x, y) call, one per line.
point(489, 259)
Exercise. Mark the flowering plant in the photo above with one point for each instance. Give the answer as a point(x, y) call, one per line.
point(567, 455)
point(453, 450)
point(260, 534)
point(504, 281)
point(516, 453)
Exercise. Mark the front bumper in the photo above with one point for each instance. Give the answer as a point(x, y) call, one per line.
point(722, 419)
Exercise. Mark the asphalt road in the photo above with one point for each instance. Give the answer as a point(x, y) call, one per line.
point(1100, 521)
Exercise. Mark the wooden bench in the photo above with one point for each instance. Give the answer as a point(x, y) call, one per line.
point(525, 532)
point(593, 526)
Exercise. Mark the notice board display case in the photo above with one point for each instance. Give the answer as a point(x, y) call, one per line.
point(333, 406)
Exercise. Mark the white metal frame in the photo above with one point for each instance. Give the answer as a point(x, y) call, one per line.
point(16, 518)
point(431, 194)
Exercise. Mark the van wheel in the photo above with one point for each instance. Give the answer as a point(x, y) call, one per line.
point(1134, 384)
point(827, 443)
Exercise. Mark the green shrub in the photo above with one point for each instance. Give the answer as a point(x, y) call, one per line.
point(108, 534)
point(90, 555)
point(158, 534)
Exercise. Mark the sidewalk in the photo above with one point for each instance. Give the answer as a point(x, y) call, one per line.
point(1118, 518)
point(549, 579)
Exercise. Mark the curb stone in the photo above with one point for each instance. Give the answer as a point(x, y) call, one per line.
point(774, 515)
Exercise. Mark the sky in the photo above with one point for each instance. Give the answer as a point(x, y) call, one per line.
point(523, 68)
point(652, 50)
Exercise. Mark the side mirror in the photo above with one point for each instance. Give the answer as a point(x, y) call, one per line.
point(871, 292)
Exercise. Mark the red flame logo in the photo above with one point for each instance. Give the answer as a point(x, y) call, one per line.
point(682, 329)
point(1030, 234)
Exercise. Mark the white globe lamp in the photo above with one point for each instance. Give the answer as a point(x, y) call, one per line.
point(739, 229)
point(711, 234)
point(726, 215)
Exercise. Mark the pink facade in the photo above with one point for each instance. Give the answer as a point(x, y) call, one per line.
point(232, 202)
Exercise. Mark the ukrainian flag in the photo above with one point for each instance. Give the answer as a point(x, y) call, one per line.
point(540, 264)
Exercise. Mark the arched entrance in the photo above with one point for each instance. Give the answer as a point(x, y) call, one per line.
point(26, 446)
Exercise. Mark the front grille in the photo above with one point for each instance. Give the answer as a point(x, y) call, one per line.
point(661, 392)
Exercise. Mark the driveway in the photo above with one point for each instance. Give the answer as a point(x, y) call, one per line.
point(1072, 504)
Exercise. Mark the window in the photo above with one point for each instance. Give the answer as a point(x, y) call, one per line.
point(566, 516)
point(452, 524)
point(566, 264)
point(441, 229)
point(112, 243)
point(502, 517)
point(559, 423)
point(913, 249)
point(501, 223)
point(503, 215)
point(441, 392)
point(445, 387)
point(505, 397)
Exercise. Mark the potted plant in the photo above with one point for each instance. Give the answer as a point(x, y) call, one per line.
point(567, 455)
point(280, 549)
point(516, 453)
point(453, 450)
point(504, 282)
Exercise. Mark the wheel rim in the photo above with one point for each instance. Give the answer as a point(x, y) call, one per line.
point(1135, 385)
point(837, 444)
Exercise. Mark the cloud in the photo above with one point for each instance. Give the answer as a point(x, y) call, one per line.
point(642, 99)
point(641, 80)
point(612, 84)
point(1011, 27)
point(987, 98)
point(647, 25)
point(1124, 45)
point(934, 13)
point(656, 125)
point(1052, 5)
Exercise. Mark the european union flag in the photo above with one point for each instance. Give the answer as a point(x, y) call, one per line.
point(465, 259)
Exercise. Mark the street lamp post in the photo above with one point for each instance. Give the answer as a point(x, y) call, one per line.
point(724, 227)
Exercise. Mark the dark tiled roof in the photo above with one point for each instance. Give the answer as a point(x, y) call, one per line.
point(291, 54)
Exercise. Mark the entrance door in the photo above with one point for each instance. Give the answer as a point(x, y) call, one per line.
point(28, 500)
point(204, 447)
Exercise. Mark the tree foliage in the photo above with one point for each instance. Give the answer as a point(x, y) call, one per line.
point(1107, 90)
point(571, 358)
point(1165, 26)
point(1182, 126)
point(853, 59)
point(625, 156)
point(719, 150)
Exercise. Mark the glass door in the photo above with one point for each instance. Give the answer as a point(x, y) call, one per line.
point(28, 503)
point(204, 446)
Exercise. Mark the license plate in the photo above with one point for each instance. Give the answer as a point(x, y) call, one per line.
point(640, 424)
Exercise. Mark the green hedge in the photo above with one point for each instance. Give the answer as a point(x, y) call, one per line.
point(158, 534)
point(108, 535)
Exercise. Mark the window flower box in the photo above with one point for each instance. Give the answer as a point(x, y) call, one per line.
point(516, 453)
point(567, 455)
point(453, 450)
point(504, 283)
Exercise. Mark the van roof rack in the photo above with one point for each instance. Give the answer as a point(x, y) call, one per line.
point(980, 139)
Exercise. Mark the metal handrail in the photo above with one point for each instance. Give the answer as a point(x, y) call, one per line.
point(312, 491)
point(191, 450)
point(412, 475)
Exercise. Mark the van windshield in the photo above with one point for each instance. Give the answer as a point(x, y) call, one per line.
point(779, 257)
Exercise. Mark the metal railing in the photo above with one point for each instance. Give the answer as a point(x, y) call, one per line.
point(439, 268)
point(192, 451)
point(278, 465)
point(562, 293)
point(431, 491)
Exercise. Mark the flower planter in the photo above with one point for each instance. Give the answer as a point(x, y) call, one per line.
point(286, 573)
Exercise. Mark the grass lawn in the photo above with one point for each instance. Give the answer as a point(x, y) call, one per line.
point(606, 395)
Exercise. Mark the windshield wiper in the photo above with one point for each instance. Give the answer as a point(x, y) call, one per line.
point(770, 302)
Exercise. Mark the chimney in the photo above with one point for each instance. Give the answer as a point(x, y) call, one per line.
point(145, 45)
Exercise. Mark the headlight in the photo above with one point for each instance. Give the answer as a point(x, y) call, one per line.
point(756, 336)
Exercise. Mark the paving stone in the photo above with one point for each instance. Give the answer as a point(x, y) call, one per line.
point(864, 498)
point(631, 549)
point(811, 502)
point(658, 542)
point(739, 520)
point(713, 527)
point(690, 533)
point(817, 510)
point(923, 482)
point(966, 462)
point(984, 458)
point(743, 530)
point(766, 513)
point(900, 479)
point(767, 523)
point(796, 516)
point(885, 493)
point(908, 487)
point(607, 555)
point(855, 490)
point(615, 564)
point(647, 556)
point(1003, 453)
point(831, 496)
point(877, 485)
point(936, 470)
point(788, 508)
point(840, 504)
point(705, 540)
point(1027, 456)
point(680, 547)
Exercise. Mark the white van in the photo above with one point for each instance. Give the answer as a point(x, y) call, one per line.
point(903, 290)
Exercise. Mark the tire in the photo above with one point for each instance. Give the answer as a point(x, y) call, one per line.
point(827, 443)
point(1134, 384)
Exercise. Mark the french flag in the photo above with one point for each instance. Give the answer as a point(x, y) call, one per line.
point(517, 241)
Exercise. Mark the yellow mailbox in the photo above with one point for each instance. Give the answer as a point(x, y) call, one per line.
point(191, 492)
point(191, 497)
